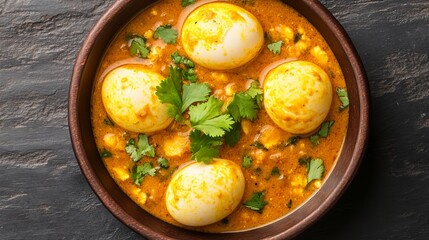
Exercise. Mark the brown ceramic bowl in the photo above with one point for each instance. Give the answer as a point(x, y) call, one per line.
point(145, 224)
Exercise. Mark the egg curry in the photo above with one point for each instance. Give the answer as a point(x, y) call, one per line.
point(219, 116)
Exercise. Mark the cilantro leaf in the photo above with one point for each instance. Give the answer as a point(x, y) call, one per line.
point(186, 3)
point(233, 136)
point(188, 72)
point(275, 47)
point(275, 171)
point(166, 33)
point(140, 171)
point(259, 145)
point(315, 170)
point(143, 148)
point(323, 132)
point(324, 129)
point(169, 91)
point(204, 148)
point(105, 153)
point(247, 161)
point(246, 104)
point(256, 202)
point(138, 46)
point(344, 98)
point(163, 162)
point(292, 140)
point(289, 204)
point(207, 118)
point(108, 121)
point(194, 92)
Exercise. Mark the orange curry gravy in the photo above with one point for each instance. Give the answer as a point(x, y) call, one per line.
point(284, 192)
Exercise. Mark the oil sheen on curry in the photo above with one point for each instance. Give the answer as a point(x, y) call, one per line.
point(219, 116)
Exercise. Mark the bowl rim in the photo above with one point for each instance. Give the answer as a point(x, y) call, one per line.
point(119, 212)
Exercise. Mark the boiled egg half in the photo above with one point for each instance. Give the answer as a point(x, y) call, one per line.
point(297, 96)
point(200, 194)
point(128, 95)
point(221, 36)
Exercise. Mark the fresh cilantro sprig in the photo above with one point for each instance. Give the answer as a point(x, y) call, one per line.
point(163, 162)
point(243, 105)
point(208, 118)
point(203, 147)
point(140, 171)
point(166, 33)
point(323, 132)
point(275, 47)
point(138, 46)
point(142, 148)
point(170, 91)
point(105, 153)
point(188, 71)
point(344, 98)
point(256, 202)
point(246, 104)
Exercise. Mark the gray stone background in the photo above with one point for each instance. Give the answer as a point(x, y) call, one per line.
point(43, 194)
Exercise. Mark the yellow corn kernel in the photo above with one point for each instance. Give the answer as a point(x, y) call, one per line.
point(320, 55)
point(121, 173)
point(246, 125)
point(176, 145)
point(148, 34)
point(269, 136)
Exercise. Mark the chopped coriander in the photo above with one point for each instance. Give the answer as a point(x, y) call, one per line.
point(315, 169)
point(292, 140)
point(275, 47)
point(178, 59)
point(246, 104)
point(275, 171)
point(247, 161)
point(344, 98)
point(323, 132)
point(324, 129)
point(255, 92)
point(289, 204)
point(259, 145)
point(163, 162)
point(297, 37)
point(143, 148)
point(207, 117)
point(188, 71)
point(138, 46)
point(204, 148)
point(166, 33)
point(314, 139)
point(140, 171)
point(233, 136)
point(108, 121)
point(224, 221)
point(105, 153)
point(186, 3)
point(256, 202)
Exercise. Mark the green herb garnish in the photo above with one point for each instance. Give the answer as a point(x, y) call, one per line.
point(105, 153)
point(163, 162)
point(315, 170)
point(247, 161)
point(275, 47)
point(186, 3)
point(142, 148)
point(256, 202)
point(344, 98)
point(140, 171)
point(203, 147)
point(138, 46)
point(166, 33)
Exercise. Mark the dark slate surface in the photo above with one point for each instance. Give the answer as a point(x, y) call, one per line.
point(43, 194)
